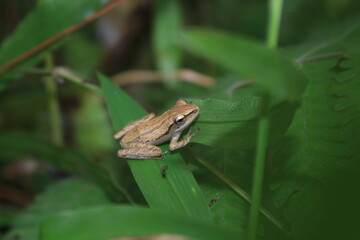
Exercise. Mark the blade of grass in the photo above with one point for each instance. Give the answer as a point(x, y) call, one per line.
point(178, 192)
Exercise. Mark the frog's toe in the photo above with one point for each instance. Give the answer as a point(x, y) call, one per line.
point(167, 151)
point(194, 133)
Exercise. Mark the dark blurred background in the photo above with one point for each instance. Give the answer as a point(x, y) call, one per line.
point(119, 41)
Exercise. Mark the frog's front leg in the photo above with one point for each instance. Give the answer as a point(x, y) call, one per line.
point(132, 125)
point(141, 151)
point(175, 144)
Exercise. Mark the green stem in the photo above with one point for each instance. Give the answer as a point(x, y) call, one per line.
point(275, 8)
point(67, 74)
point(263, 130)
point(75, 78)
point(53, 103)
point(52, 99)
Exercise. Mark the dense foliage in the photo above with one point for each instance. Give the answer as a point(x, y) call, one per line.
point(72, 73)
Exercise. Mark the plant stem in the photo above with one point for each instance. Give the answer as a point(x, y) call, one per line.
point(53, 103)
point(52, 99)
point(263, 130)
point(275, 7)
point(67, 74)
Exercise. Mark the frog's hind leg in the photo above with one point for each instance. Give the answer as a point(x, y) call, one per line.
point(141, 151)
point(132, 125)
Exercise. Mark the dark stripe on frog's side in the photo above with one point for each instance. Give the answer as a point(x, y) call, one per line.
point(150, 130)
point(166, 133)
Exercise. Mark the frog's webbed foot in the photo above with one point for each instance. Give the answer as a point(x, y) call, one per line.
point(174, 144)
point(190, 135)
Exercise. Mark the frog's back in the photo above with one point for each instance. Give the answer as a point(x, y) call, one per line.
point(150, 132)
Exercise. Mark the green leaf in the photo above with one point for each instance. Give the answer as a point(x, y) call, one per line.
point(17, 145)
point(82, 54)
point(64, 195)
point(318, 159)
point(8, 214)
point(233, 124)
point(92, 139)
point(51, 17)
point(249, 59)
point(229, 209)
point(120, 221)
point(178, 192)
point(167, 24)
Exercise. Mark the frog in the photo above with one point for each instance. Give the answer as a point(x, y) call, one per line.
point(140, 138)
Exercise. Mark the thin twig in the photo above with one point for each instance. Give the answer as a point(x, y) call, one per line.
point(326, 44)
point(67, 74)
point(321, 57)
point(12, 63)
point(146, 76)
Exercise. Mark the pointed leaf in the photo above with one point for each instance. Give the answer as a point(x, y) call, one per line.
point(318, 159)
point(249, 59)
point(178, 192)
point(232, 124)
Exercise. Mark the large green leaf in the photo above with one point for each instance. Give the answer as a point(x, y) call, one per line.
point(233, 124)
point(112, 222)
point(46, 20)
point(178, 192)
point(228, 208)
point(249, 59)
point(319, 157)
point(64, 195)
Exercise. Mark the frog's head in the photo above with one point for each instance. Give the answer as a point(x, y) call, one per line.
point(184, 114)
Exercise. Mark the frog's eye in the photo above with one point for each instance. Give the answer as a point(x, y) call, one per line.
point(179, 119)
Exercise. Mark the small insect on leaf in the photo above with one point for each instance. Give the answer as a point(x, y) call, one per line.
point(163, 171)
point(214, 200)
